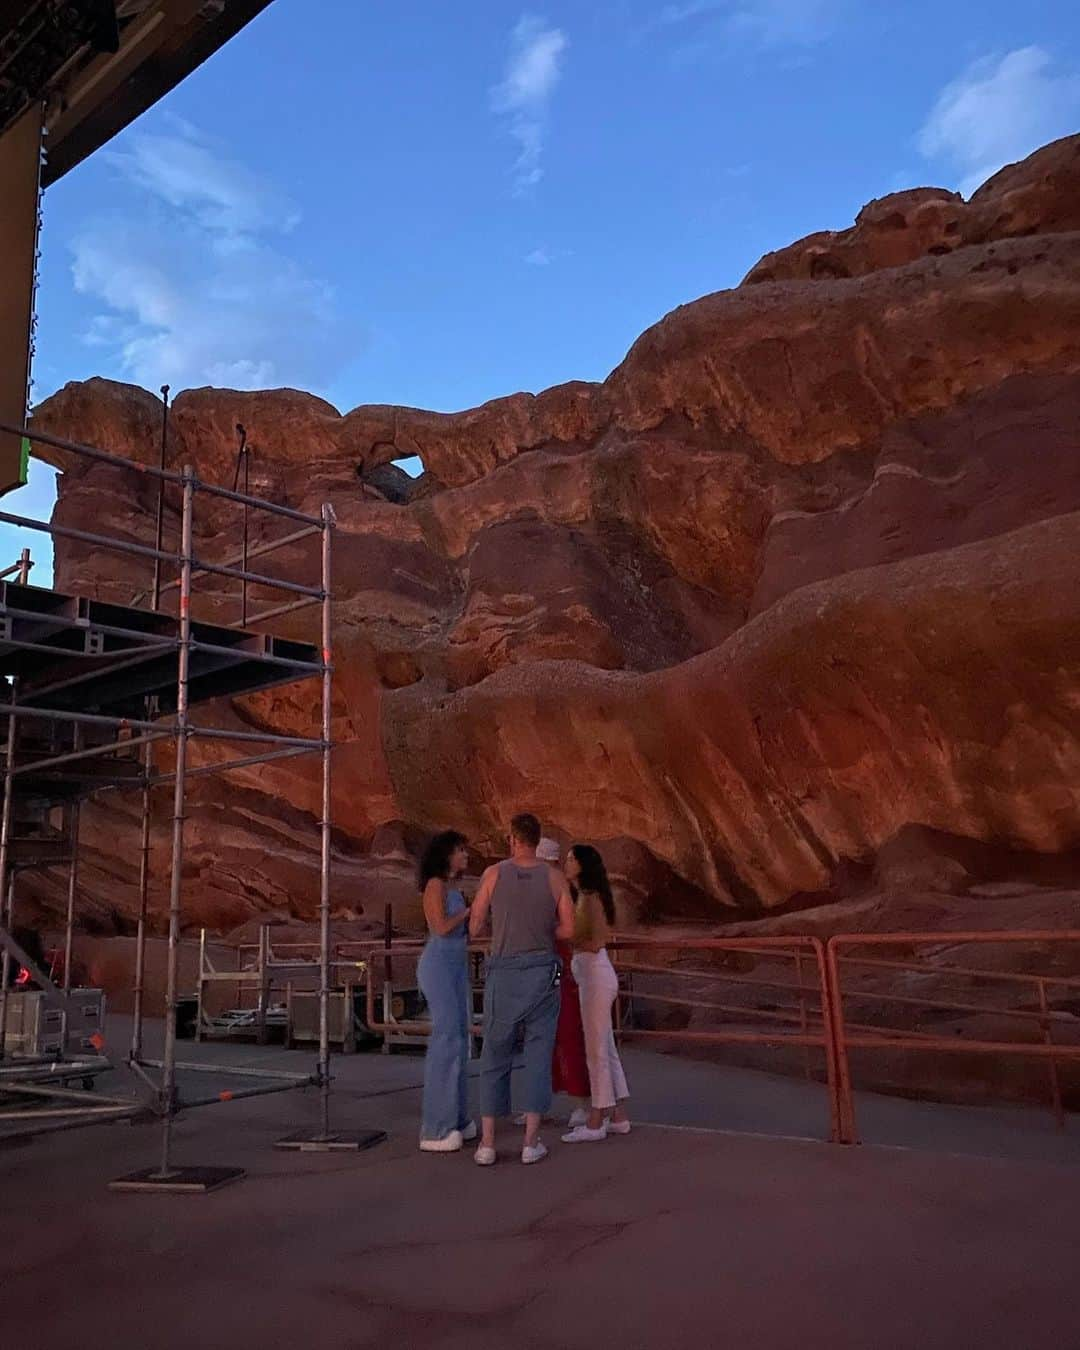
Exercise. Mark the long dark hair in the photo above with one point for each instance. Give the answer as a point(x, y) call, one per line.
point(594, 877)
point(435, 861)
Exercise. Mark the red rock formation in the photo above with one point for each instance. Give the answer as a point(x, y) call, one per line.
point(1035, 197)
point(801, 573)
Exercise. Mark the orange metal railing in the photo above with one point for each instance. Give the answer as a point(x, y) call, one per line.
point(799, 992)
point(849, 1037)
point(805, 1022)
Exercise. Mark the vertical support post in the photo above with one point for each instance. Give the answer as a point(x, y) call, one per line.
point(5, 964)
point(24, 567)
point(1051, 1063)
point(200, 989)
point(159, 533)
point(168, 1076)
point(242, 461)
point(324, 1140)
point(263, 996)
point(242, 453)
point(803, 1021)
point(388, 975)
point(69, 920)
point(324, 826)
point(144, 892)
point(838, 1069)
point(244, 564)
point(7, 872)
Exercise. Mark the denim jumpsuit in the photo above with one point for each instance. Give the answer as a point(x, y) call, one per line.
point(443, 974)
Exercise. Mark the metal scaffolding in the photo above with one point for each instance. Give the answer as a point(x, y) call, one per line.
point(142, 671)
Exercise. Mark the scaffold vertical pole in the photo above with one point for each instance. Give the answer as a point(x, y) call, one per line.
point(144, 893)
point(159, 532)
point(5, 963)
point(168, 1077)
point(324, 829)
point(167, 1177)
point(69, 917)
point(325, 1139)
point(7, 877)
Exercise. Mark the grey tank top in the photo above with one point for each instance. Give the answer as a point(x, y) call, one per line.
point(523, 911)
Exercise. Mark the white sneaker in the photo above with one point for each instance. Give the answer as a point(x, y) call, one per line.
point(534, 1153)
point(469, 1132)
point(450, 1144)
point(617, 1126)
point(581, 1134)
point(578, 1116)
point(484, 1156)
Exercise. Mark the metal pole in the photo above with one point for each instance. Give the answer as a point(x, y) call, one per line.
point(237, 1094)
point(243, 602)
point(230, 559)
point(838, 1065)
point(388, 971)
point(263, 995)
point(69, 923)
point(5, 964)
point(24, 567)
point(146, 470)
point(7, 879)
point(168, 1077)
point(144, 893)
point(242, 459)
point(803, 1022)
point(1048, 1039)
point(80, 1112)
point(324, 832)
point(155, 594)
point(200, 991)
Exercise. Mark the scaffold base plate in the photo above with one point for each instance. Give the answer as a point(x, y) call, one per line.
point(179, 1180)
point(337, 1141)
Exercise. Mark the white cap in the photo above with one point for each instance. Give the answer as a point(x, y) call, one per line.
point(547, 850)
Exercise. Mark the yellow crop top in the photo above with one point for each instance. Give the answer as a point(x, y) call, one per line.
point(591, 928)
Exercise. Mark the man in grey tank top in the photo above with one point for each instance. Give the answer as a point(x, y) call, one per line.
point(530, 907)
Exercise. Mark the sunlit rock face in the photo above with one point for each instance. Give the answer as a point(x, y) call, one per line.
point(802, 575)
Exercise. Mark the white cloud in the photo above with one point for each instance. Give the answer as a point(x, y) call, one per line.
point(194, 290)
point(184, 170)
point(524, 93)
point(765, 23)
point(540, 257)
point(999, 111)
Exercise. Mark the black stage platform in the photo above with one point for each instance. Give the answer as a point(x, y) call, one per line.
point(83, 667)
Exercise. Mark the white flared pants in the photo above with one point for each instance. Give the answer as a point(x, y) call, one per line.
point(599, 985)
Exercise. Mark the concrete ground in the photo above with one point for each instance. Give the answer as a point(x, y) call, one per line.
point(676, 1236)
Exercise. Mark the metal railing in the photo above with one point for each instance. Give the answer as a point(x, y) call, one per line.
point(1039, 1021)
point(796, 993)
point(799, 993)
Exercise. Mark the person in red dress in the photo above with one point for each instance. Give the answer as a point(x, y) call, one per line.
point(569, 1069)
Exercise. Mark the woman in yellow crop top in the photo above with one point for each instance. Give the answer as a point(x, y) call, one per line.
point(594, 916)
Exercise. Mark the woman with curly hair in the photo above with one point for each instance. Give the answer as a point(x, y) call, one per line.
point(594, 918)
point(443, 975)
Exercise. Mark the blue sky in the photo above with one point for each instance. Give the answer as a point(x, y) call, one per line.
point(434, 204)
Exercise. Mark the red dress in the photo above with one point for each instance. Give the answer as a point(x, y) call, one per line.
point(569, 1070)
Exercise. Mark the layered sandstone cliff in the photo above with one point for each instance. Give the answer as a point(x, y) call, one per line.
point(801, 577)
